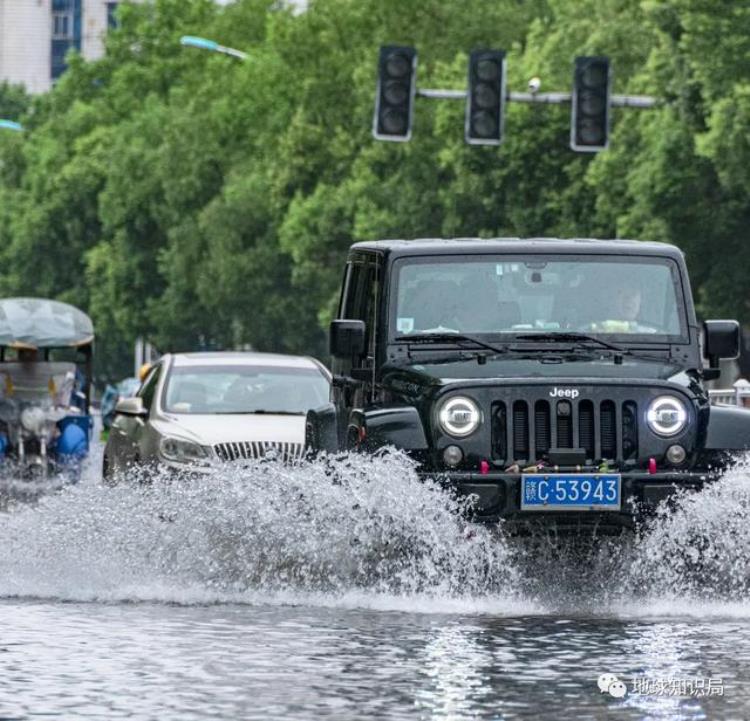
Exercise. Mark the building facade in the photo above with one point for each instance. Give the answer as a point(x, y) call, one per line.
point(35, 36)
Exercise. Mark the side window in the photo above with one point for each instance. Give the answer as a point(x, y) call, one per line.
point(361, 300)
point(353, 301)
point(344, 291)
point(371, 317)
point(148, 389)
point(361, 293)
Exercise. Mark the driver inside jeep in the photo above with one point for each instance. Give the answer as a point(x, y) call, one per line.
point(625, 314)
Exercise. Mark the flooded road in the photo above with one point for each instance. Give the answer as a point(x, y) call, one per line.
point(350, 590)
point(301, 662)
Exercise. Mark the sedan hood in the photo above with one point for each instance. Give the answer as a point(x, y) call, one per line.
point(208, 430)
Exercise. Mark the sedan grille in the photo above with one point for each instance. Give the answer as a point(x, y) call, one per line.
point(257, 450)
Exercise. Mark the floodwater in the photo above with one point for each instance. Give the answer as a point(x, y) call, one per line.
point(348, 590)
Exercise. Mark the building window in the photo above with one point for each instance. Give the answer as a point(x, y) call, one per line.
point(112, 15)
point(62, 26)
point(66, 33)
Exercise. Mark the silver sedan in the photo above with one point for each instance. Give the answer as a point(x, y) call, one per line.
point(196, 410)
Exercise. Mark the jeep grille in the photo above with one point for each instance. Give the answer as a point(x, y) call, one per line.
point(525, 430)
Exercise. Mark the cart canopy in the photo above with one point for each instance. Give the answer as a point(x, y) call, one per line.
point(41, 323)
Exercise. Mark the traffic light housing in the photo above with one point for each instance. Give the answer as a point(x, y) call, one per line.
point(394, 99)
point(485, 98)
point(589, 123)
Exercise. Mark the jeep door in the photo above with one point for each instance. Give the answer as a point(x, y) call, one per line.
point(359, 301)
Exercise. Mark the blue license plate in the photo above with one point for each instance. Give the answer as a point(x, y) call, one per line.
point(571, 492)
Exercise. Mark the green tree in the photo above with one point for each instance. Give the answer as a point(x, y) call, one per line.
point(204, 202)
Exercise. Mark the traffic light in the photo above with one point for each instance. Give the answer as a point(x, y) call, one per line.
point(485, 99)
point(394, 100)
point(589, 123)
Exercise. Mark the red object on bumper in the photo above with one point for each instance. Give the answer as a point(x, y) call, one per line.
point(484, 468)
point(652, 466)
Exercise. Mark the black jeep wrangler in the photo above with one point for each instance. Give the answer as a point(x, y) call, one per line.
point(550, 379)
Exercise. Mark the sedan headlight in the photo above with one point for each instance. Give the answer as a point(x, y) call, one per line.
point(180, 451)
point(459, 416)
point(667, 415)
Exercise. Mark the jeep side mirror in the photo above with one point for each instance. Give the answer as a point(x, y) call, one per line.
point(721, 341)
point(347, 338)
point(131, 407)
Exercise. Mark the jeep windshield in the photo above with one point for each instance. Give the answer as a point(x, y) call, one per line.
point(624, 298)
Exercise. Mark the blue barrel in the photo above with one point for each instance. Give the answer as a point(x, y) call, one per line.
point(75, 432)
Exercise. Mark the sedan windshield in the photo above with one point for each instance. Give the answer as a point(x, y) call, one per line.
point(539, 294)
point(244, 389)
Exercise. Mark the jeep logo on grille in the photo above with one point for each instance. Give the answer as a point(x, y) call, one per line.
point(571, 393)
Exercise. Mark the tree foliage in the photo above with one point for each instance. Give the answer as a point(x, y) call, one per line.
point(204, 202)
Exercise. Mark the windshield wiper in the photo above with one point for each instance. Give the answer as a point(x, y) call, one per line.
point(448, 337)
point(572, 338)
point(463, 356)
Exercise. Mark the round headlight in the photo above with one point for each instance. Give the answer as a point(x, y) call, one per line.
point(459, 416)
point(667, 415)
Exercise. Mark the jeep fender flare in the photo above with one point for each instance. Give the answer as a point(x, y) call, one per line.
point(728, 429)
point(398, 426)
point(321, 433)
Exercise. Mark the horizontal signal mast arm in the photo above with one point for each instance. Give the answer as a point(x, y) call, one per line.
point(623, 101)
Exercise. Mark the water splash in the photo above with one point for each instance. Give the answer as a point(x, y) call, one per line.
point(700, 547)
point(363, 531)
point(332, 526)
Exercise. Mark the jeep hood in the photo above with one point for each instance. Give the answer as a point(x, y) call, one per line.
point(542, 367)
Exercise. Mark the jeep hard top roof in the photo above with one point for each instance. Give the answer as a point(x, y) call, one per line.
point(462, 246)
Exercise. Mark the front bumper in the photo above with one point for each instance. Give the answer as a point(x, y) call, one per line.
point(497, 496)
point(184, 470)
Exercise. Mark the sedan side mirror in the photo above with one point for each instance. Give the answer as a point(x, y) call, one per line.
point(347, 338)
point(721, 341)
point(131, 407)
